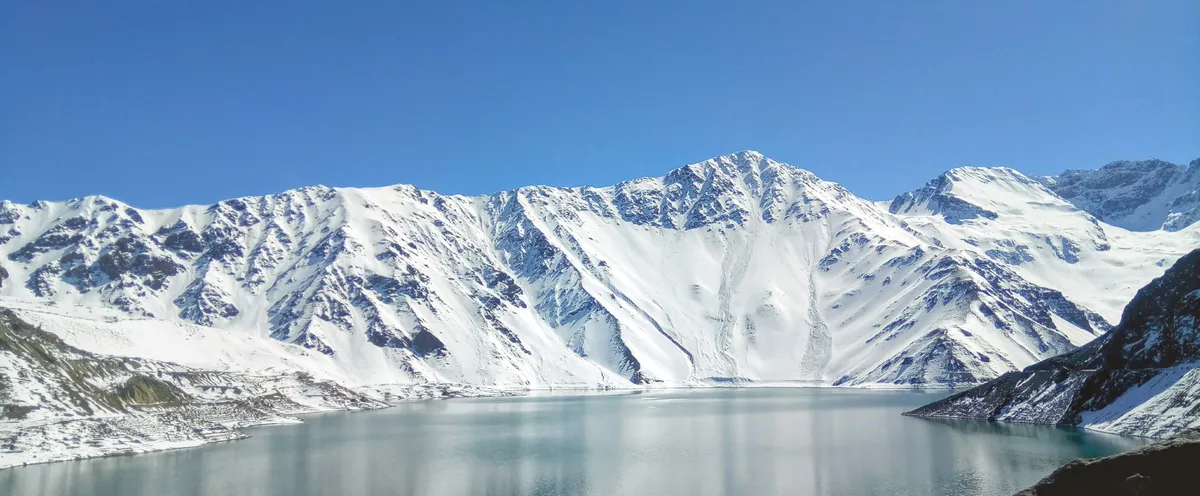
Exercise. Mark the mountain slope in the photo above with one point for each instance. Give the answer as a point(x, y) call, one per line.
point(1000, 214)
point(1141, 378)
point(1140, 195)
point(736, 268)
point(61, 402)
point(79, 382)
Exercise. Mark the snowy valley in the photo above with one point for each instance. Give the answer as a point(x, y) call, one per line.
point(739, 269)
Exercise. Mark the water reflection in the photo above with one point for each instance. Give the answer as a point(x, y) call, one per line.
point(730, 441)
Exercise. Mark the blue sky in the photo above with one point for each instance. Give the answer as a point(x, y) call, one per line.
point(161, 103)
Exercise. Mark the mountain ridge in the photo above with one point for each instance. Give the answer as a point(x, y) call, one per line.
point(674, 278)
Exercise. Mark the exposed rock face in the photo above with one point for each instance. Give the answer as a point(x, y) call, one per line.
point(1138, 195)
point(1140, 378)
point(1165, 468)
point(738, 267)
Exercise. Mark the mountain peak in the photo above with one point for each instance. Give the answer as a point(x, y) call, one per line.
point(747, 155)
point(742, 163)
point(1144, 164)
point(972, 192)
point(968, 172)
point(1139, 195)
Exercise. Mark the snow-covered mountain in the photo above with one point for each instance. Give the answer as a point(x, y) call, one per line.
point(1141, 378)
point(52, 394)
point(1142, 195)
point(736, 268)
point(147, 385)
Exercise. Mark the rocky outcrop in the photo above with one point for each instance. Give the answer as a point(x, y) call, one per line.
point(1165, 468)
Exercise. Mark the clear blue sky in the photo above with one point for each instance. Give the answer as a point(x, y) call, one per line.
point(160, 103)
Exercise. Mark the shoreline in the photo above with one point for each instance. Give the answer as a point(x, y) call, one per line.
point(388, 395)
point(234, 434)
point(219, 432)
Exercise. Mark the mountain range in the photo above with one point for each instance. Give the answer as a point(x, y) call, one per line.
point(736, 269)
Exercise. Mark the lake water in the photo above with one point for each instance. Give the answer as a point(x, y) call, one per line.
point(682, 442)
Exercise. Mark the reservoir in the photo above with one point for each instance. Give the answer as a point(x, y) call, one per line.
point(670, 442)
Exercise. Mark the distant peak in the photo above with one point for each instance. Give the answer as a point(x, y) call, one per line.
point(97, 202)
point(745, 162)
point(742, 160)
point(970, 192)
point(94, 199)
point(748, 155)
point(984, 171)
point(1144, 164)
point(978, 174)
